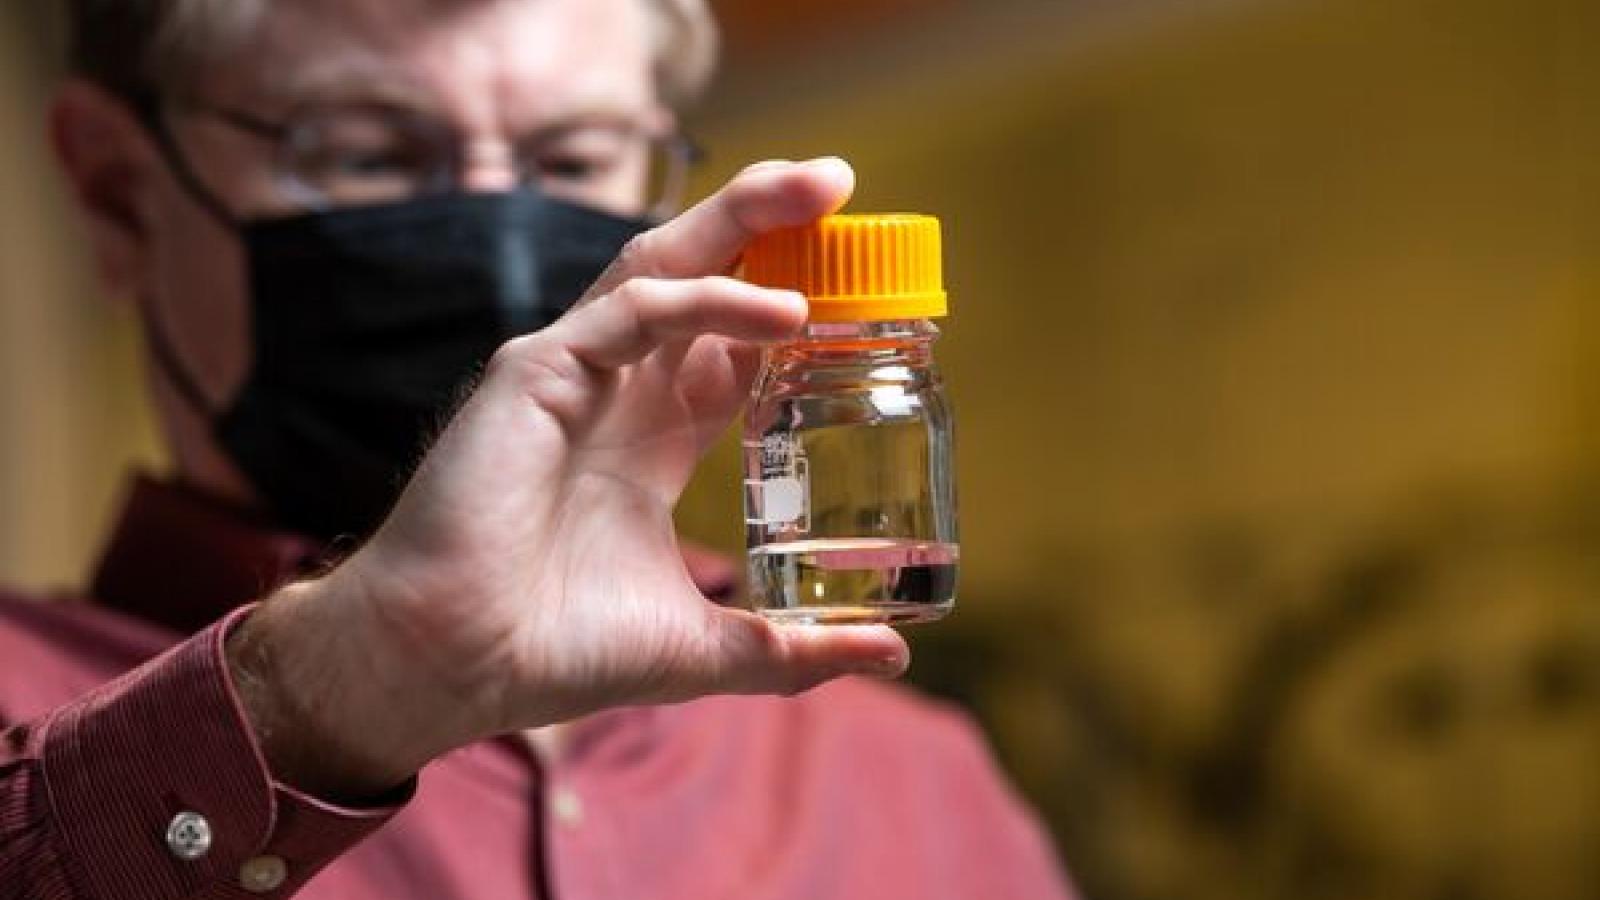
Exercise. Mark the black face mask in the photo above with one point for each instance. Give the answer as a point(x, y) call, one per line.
point(367, 324)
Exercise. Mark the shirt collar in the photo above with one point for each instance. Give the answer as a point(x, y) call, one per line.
point(182, 559)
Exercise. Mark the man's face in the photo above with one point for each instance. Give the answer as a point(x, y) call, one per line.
point(537, 86)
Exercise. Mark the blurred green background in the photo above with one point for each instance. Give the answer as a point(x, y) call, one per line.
point(1277, 370)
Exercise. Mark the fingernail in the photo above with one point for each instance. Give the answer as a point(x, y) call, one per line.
point(833, 163)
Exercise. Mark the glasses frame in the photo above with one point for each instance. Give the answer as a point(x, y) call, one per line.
point(681, 152)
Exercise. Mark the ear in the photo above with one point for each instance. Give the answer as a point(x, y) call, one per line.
point(111, 167)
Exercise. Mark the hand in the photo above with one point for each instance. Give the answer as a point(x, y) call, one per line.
point(529, 574)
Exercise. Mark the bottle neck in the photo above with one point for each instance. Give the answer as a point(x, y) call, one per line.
point(889, 331)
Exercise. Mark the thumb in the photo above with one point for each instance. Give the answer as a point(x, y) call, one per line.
point(751, 655)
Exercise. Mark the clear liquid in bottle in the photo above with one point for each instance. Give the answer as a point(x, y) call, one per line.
point(860, 580)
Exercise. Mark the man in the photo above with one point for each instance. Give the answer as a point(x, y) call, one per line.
point(329, 215)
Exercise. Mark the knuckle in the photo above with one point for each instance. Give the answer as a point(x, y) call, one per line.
point(657, 309)
point(639, 298)
point(635, 292)
point(790, 674)
point(505, 357)
point(536, 367)
point(638, 256)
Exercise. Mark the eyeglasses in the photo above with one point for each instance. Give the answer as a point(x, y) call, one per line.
point(350, 155)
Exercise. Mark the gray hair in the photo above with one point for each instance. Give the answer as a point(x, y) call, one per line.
point(135, 48)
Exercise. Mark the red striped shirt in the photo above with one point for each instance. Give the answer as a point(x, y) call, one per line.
point(118, 721)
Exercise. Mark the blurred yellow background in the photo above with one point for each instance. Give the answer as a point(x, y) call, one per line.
point(1278, 386)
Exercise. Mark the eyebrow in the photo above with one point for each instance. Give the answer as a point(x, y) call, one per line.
point(372, 81)
point(598, 108)
point(358, 79)
point(580, 118)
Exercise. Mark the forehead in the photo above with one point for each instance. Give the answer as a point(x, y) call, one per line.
point(483, 63)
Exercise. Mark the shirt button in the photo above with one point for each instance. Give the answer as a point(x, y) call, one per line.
point(566, 805)
point(260, 874)
point(189, 835)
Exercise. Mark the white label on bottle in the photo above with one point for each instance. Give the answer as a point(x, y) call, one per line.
point(780, 498)
point(783, 500)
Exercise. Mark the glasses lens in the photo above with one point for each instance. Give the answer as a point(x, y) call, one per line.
point(667, 179)
point(616, 166)
point(351, 157)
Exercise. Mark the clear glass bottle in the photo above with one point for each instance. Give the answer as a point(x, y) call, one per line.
point(850, 504)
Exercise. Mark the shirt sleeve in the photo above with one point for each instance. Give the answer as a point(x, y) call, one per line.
point(153, 787)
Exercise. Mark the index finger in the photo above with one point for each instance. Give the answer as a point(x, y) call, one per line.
point(708, 238)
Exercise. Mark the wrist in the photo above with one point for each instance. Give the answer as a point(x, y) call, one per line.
point(330, 709)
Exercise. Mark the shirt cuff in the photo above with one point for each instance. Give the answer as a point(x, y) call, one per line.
point(156, 780)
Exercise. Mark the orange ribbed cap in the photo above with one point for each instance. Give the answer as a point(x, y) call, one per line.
point(855, 268)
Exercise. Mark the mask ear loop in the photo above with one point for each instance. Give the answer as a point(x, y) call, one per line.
point(148, 110)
